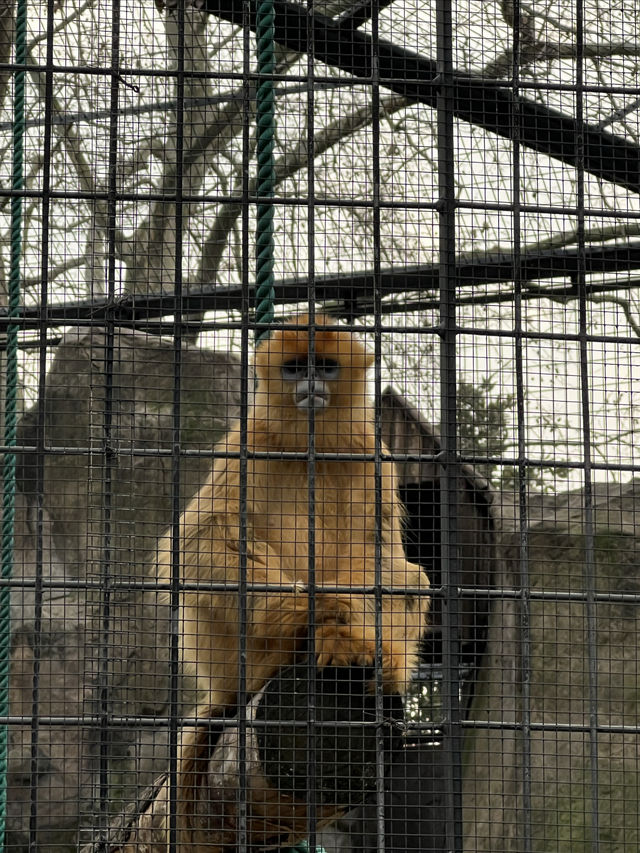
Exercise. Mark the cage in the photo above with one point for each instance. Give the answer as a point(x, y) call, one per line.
point(318, 357)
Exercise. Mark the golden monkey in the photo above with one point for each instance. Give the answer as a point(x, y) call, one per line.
point(332, 383)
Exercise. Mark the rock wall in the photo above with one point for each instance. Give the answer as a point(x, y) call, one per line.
point(102, 651)
point(578, 678)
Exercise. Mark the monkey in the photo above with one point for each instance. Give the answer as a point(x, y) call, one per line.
point(290, 560)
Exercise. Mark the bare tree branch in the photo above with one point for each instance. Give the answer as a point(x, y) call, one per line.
point(56, 270)
point(287, 165)
point(59, 27)
point(7, 26)
point(151, 253)
point(623, 304)
point(547, 51)
point(556, 22)
point(592, 236)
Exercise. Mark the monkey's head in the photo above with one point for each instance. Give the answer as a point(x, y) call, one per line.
point(328, 376)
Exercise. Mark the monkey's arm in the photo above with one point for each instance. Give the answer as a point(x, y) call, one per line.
point(346, 625)
point(211, 620)
point(404, 616)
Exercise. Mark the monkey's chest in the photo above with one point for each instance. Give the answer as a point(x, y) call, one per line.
point(340, 530)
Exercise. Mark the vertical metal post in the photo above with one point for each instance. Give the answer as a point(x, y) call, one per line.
point(524, 602)
point(589, 551)
point(35, 759)
point(311, 459)
point(176, 444)
point(377, 314)
point(107, 429)
point(244, 411)
point(446, 207)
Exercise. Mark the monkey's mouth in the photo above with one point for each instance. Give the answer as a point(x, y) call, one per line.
point(317, 401)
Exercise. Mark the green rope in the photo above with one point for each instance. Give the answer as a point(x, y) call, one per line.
point(265, 133)
point(11, 387)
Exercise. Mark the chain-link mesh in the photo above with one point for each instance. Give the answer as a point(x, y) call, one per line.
point(369, 584)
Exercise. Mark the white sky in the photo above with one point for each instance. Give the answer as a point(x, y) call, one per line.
point(344, 239)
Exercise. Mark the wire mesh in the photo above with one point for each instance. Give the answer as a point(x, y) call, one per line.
point(219, 636)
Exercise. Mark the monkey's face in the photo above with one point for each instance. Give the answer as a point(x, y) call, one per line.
point(310, 381)
point(326, 377)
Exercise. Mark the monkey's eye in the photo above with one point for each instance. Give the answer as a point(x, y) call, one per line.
point(327, 368)
point(298, 368)
point(295, 369)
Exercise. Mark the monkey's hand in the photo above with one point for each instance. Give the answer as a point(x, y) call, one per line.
point(343, 635)
point(345, 627)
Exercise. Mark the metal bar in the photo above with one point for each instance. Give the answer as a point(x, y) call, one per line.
point(449, 467)
point(175, 590)
point(246, 314)
point(99, 70)
point(106, 454)
point(432, 592)
point(176, 441)
point(524, 815)
point(480, 331)
point(589, 566)
point(378, 447)
point(312, 719)
point(469, 272)
point(532, 461)
point(36, 768)
point(606, 156)
point(513, 461)
point(327, 201)
point(158, 721)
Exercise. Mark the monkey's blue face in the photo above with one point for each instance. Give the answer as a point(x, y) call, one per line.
point(311, 389)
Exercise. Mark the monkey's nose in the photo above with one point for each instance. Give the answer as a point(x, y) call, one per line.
point(311, 395)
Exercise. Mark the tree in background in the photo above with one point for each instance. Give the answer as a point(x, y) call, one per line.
point(197, 145)
point(486, 429)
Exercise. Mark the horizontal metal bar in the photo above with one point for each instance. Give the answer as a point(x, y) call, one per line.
point(469, 271)
point(504, 461)
point(485, 592)
point(98, 70)
point(497, 110)
point(160, 721)
point(216, 586)
point(118, 721)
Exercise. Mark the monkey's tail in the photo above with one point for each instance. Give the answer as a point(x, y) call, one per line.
point(196, 751)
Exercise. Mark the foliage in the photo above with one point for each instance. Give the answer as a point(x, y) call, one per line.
point(486, 429)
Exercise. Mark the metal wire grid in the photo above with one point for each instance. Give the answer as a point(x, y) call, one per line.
point(458, 286)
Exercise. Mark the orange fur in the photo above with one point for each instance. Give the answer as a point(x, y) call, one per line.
point(277, 535)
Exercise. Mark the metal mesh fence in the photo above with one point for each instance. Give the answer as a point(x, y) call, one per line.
point(371, 585)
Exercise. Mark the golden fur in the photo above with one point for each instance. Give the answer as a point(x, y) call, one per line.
point(277, 535)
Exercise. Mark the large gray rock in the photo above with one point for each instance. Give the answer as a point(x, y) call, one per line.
point(579, 674)
point(107, 465)
point(64, 773)
point(31, 561)
point(92, 510)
